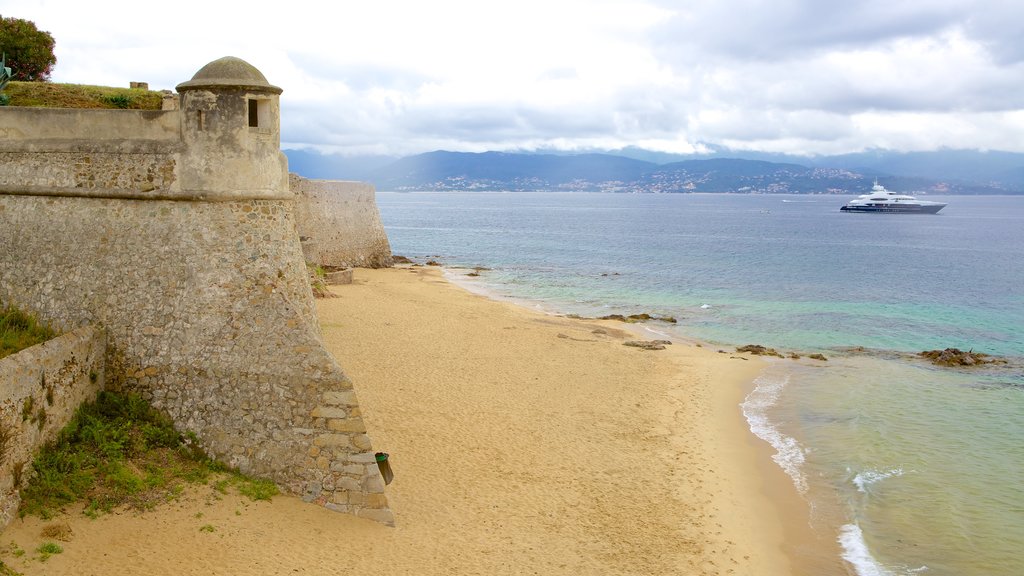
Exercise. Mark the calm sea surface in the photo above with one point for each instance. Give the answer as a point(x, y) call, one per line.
point(911, 468)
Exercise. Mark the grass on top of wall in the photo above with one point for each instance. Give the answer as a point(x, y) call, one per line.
point(51, 95)
point(19, 330)
point(120, 451)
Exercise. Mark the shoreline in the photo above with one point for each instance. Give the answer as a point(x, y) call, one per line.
point(806, 550)
point(521, 442)
point(742, 530)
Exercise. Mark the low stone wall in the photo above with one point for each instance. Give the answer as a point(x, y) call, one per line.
point(123, 130)
point(40, 390)
point(341, 222)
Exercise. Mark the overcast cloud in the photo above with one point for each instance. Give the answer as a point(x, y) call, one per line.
point(402, 77)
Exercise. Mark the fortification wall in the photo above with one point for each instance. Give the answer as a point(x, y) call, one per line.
point(129, 130)
point(342, 223)
point(197, 277)
point(42, 388)
point(210, 316)
point(89, 152)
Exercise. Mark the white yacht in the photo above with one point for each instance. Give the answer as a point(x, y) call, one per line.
point(882, 200)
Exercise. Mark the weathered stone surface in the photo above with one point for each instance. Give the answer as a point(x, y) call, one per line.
point(382, 515)
point(333, 440)
point(648, 344)
point(361, 441)
point(53, 379)
point(329, 412)
point(364, 458)
point(342, 398)
point(347, 425)
point(373, 484)
point(339, 277)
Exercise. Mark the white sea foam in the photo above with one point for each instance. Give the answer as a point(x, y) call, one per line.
point(867, 478)
point(789, 455)
point(855, 551)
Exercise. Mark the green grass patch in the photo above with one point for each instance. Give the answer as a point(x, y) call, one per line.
point(257, 488)
point(318, 280)
point(52, 95)
point(119, 451)
point(47, 549)
point(19, 330)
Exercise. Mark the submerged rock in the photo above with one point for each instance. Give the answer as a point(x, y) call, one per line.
point(758, 350)
point(634, 318)
point(957, 357)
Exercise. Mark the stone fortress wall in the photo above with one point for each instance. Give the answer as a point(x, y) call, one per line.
point(340, 223)
point(176, 232)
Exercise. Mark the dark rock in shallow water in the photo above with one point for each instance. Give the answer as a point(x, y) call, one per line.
point(400, 259)
point(818, 357)
point(957, 357)
point(634, 318)
point(758, 350)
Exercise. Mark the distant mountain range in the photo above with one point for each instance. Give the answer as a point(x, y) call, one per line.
point(632, 170)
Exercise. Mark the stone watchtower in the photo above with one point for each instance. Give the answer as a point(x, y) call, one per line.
point(231, 120)
point(175, 231)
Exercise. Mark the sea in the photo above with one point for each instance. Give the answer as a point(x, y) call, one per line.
point(907, 467)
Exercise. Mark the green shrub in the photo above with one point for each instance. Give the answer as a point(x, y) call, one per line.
point(119, 100)
point(258, 489)
point(19, 330)
point(120, 451)
point(48, 549)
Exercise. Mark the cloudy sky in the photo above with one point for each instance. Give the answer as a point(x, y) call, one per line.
point(398, 77)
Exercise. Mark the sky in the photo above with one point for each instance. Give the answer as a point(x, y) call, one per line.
point(400, 77)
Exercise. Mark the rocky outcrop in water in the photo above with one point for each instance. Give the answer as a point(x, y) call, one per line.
point(758, 350)
point(634, 318)
point(957, 357)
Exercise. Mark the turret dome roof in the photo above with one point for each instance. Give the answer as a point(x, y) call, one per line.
point(229, 72)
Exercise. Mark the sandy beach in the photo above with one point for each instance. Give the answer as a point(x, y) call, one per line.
point(522, 443)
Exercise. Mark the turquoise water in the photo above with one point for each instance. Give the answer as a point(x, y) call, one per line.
point(913, 469)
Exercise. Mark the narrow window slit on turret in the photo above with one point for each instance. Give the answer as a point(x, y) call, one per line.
point(254, 113)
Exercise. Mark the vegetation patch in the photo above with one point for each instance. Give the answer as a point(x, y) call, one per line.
point(47, 549)
point(318, 281)
point(120, 451)
point(52, 95)
point(19, 330)
point(6, 570)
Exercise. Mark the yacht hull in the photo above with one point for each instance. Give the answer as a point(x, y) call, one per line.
point(896, 209)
